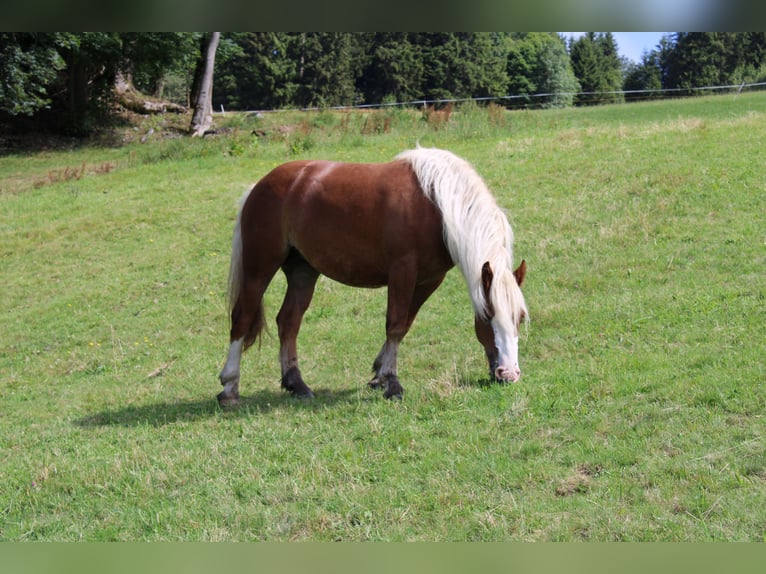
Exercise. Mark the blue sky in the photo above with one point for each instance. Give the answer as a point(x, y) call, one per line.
point(631, 44)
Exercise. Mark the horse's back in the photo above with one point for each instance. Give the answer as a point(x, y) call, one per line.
point(351, 221)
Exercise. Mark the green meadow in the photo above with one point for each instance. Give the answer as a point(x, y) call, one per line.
point(640, 414)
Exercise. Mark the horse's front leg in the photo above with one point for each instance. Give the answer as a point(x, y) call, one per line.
point(384, 368)
point(404, 302)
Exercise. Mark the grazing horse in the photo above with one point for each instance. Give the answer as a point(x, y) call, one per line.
point(401, 224)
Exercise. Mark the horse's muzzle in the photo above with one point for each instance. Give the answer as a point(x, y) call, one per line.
point(508, 375)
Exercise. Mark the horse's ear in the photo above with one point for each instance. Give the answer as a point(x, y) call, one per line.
point(486, 278)
point(521, 272)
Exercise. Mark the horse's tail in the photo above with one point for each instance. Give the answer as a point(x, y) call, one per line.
point(236, 270)
point(236, 283)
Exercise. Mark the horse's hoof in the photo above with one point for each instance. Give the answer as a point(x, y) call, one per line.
point(293, 383)
point(227, 401)
point(394, 388)
point(375, 383)
point(391, 384)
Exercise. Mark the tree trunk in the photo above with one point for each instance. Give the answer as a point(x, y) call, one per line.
point(203, 102)
point(123, 82)
point(77, 94)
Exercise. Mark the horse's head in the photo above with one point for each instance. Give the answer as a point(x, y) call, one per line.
point(498, 329)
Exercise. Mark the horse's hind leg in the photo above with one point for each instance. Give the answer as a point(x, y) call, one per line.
point(247, 322)
point(229, 376)
point(301, 279)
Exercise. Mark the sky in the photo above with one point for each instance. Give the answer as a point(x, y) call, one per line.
point(631, 44)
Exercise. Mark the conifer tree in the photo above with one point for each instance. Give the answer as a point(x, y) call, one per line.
point(597, 66)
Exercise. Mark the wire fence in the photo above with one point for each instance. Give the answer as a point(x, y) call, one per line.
point(545, 100)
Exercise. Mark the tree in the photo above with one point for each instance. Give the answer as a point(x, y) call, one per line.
point(596, 64)
point(202, 118)
point(692, 60)
point(259, 73)
point(644, 77)
point(149, 56)
point(523, 52)
point(462, 65)
point(483, 57)
point(70, 81)
point(393, 68)
point(29, 65)
point(698, 59)
point(328, 64)
point(92, 63)
point(268, 70)
point(553, 75)
point(538, 63)
point(747, 57)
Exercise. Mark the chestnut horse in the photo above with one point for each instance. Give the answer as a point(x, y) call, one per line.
point(401, 224)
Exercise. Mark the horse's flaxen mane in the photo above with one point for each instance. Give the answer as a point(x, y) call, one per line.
point(475, 229)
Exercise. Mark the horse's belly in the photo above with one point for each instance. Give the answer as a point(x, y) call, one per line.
point(369, 261)
point(352, 265)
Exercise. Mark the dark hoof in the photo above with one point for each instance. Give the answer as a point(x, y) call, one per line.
point(228, 401)
point(375, 383)
point(394, 389)
point(391, 385)
point(293, 383)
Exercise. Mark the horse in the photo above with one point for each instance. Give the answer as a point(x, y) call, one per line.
point(402, 224)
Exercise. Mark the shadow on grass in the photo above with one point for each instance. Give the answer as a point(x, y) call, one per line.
point(169, 412)
point(482, 383)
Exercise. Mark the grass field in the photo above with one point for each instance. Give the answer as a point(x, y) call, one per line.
point(639, 416)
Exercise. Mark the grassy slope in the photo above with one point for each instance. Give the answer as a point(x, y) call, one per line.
point(639, 416)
